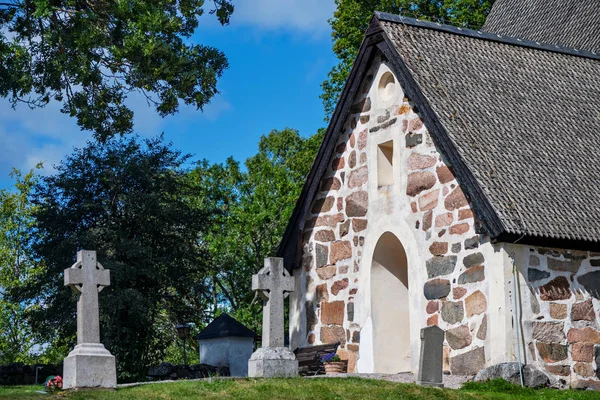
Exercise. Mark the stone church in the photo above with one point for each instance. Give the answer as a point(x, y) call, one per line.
point(458, 185)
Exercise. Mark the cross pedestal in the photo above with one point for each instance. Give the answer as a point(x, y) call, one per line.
point(89, 365)
point(273, 282)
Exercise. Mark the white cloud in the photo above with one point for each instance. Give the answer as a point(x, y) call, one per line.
point(33, 136)
point(8, 35)
point(315, 69)
point(147, 122)
point(214, 110)
point(50, 155)
point(46, 135)
point(12, 148)
point(307, 16)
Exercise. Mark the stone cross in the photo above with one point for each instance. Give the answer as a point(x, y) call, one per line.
point(89, 364)
point(87, 277)
point(273, 282)
point(431, 362)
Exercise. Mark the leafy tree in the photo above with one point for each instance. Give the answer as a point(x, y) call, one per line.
point(89, 55)
point(351, 20)
point(219, 185)
point(255, 206)
point(129, 201)
point(17, 267)
point(174, 352)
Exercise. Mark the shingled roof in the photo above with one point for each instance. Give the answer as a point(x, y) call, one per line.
point(523, 119)
point(224, 326)
point(518, 121)
point(571, 23)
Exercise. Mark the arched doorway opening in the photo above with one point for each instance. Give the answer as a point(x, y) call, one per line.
point(390, 306)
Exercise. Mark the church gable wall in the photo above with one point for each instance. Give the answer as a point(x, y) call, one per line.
point(427, 211)
point(458, 280)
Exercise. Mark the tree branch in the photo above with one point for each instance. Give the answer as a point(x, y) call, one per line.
point(226, 293)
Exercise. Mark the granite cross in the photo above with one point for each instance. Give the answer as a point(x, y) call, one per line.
point(87, 277)
point(274, 282)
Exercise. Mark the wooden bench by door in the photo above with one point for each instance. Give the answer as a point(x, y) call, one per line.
point(309, 358)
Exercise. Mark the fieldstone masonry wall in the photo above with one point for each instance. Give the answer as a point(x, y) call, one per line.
point(561, 314)
point(454, 295)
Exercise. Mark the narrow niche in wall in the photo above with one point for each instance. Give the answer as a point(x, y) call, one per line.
point(387, 87)
point(385, 164)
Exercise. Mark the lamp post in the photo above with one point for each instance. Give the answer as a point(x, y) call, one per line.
point(183, 331)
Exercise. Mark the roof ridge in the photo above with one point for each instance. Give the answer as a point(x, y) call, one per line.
point(224, 325)
point(485, 35)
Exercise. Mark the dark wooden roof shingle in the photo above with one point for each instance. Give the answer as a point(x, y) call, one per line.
point(224, 326)
point(519, 122)
point(569, 23)
point(525, 120)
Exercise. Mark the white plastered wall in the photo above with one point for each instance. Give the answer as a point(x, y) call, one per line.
point(501, 345)
point(232, 352)
point(389, 211)
point(363, 306)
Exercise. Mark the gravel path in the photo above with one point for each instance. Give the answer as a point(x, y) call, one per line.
point(450, 381)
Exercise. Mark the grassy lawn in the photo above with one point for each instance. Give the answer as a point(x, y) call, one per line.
point(305, 389)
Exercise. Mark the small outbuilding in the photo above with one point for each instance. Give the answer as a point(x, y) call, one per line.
point(225, 342)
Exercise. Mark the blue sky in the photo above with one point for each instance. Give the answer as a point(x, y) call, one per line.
point(279, 53)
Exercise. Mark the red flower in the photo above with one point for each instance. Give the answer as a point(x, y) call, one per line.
point(55, 382)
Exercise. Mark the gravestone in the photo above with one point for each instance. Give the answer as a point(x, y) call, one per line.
point(89, 365)
point(273, 283)
point(430, 363)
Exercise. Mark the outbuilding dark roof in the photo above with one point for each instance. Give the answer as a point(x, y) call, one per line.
point(224, 326)
point(571, 23)
point(518, 121)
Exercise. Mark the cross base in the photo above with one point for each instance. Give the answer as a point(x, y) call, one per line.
point(430, 384)
point(90, 365)
point(273, 362)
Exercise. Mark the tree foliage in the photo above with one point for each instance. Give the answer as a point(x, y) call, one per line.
point(90, 55)
point(181, 245)
point(255, 206)
point(129, 201)
point(351, 20)
point(17, 268)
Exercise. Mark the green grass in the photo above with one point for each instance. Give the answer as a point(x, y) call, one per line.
point(304, 389)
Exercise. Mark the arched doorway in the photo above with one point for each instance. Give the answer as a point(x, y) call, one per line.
point(390, 306)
